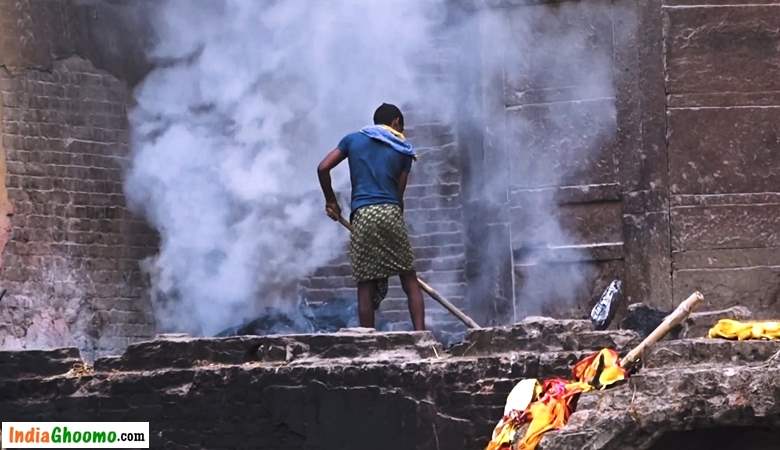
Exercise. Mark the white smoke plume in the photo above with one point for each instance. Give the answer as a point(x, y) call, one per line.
point(546, 112)
point(246, 97)
point(560, 123)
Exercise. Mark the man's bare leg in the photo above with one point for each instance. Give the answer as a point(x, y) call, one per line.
point(366, 292)
point(414, 296)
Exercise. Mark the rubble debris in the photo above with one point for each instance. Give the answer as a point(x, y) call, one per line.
point(734, 329)
point(604, 311)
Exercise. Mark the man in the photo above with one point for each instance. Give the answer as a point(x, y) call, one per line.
point(379, 163)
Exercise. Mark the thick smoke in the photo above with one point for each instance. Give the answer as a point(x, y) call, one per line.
point(248, 95)
point(545, 113)
point(246, 98)
point(560, 120)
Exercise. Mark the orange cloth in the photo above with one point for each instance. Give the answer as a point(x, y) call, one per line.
point(552, 411)
point(605, 364)
point(553, 404)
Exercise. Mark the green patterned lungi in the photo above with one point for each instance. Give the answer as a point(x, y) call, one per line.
point(379, 247)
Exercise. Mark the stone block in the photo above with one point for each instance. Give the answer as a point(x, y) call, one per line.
point(729, 48)
point(547, 50)
point(16, 365)
point(689, 352)
point(758, 288)
point(560, 144)
point(725, 226)
point(541, 334)
point(721, 150)
point(536, 223)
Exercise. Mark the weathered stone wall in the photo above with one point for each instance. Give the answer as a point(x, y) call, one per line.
point(682, 196)
point(71, 262)
point(723, 125)
point(558, 151)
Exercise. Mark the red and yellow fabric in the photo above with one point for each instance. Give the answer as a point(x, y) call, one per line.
point(552, 401)
point(551, 411)
point(522, 395)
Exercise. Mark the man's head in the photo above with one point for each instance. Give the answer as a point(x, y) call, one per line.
point(389, 115)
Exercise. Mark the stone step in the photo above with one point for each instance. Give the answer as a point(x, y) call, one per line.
point(37, 363)
point(186, 352)
point(543, 334)
point(688, 352)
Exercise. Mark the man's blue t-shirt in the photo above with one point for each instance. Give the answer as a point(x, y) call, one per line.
point(374, 168)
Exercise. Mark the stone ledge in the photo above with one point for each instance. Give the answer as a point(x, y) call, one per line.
point(688, 352)
point(15, 364)
point(542, 334)
point(281, 349)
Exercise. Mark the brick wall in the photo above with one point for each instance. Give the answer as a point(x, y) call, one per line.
point(71, 263)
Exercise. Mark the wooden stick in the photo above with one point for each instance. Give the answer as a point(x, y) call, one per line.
point(468, 321)
point(680, 313)
point(447, 304)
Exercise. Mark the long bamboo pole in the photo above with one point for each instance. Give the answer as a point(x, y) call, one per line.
point(468, 321)
point(680, 313)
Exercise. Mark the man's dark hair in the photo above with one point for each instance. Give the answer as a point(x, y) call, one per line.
point(386, 113)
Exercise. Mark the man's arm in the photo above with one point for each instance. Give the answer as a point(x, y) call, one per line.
point(330, 161)
point(402, 179)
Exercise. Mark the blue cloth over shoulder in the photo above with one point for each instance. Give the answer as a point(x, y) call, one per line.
point(391, 137)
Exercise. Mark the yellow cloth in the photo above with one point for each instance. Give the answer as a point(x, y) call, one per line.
point(395, 132)
point(522, 395)
point(754, 329)
point(553, 400)
point(605, 364)
point(552, 411)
